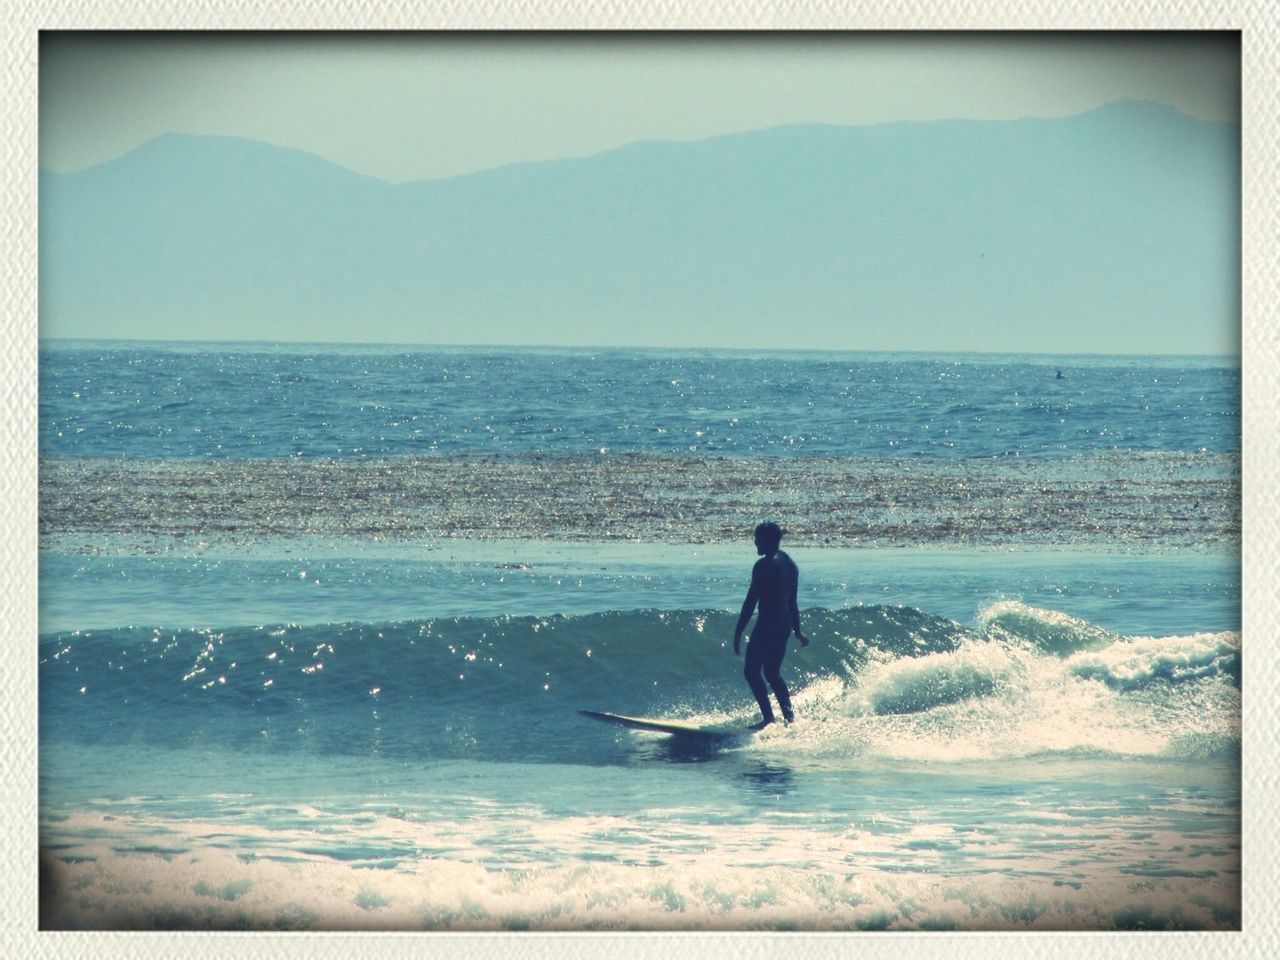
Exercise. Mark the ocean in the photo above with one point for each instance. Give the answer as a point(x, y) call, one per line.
point(316, 622)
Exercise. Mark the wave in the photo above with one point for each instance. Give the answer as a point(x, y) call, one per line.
point(1138, 663)
point(913, 685)
point(110, 873)
point(1048, 630)
point(890, 680)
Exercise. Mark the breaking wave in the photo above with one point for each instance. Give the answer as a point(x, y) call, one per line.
point(885, 680)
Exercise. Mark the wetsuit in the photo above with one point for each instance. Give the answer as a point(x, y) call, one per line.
point(774, 580)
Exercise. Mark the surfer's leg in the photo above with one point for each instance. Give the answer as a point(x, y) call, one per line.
point(773, 673)
point(755, 681)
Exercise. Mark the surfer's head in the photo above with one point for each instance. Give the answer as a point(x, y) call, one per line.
point(768, 537)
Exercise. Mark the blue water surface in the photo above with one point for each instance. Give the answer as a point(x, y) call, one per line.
point(143, 400)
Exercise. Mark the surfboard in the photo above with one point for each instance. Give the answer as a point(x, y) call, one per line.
point(677, 728)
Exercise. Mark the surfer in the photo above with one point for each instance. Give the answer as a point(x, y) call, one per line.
point(774, 580)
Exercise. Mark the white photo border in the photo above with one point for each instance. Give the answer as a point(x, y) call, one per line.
point(22, 21)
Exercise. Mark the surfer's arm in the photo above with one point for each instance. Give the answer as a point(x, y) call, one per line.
point(748, 608)
point(795, 622)
point(794, 607)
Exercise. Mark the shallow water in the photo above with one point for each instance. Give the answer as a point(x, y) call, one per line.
point(310, 582)
point(748, 839)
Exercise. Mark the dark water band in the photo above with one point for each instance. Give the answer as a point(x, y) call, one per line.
point(1122, 500)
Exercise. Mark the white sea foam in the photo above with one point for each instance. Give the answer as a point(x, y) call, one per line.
point(891, 874)
point(992, 699)
point(1135, 663)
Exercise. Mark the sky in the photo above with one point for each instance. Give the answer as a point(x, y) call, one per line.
point(417, 106)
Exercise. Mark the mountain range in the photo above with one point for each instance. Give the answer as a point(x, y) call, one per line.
point(1113, 231)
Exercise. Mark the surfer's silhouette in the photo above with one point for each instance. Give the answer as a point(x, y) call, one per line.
point(774, 580)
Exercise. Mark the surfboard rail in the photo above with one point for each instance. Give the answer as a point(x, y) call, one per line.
point(676, 728)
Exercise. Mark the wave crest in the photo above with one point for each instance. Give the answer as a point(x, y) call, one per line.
point(914, 685)
point(1049, 630)
point(1134, 664)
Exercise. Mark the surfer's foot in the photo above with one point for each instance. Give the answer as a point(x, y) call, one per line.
point(788, 718)
point(760, 725)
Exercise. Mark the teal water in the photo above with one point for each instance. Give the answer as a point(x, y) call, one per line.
point(248, 729)
point(116, 398)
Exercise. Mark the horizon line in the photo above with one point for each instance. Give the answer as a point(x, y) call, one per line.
point(621, 348)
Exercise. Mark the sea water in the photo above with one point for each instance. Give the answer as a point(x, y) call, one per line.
point(316, 622)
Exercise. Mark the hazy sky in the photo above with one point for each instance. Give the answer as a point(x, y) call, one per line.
point(411, 106)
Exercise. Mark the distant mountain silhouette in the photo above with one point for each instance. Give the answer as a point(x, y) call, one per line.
point(1112, 231)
